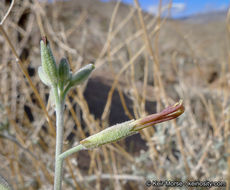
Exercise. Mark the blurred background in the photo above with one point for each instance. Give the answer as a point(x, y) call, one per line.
point(183, 8)
point(148, 55)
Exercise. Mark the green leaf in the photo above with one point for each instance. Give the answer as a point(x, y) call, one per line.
point(44, 78)
point(81, 75)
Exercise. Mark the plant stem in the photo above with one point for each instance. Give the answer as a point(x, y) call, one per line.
point(59, 139)
point(67, 153)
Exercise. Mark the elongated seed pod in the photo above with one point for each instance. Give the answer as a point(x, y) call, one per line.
point(48, 62)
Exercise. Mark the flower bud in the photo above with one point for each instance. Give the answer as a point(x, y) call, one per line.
point(48, 63)
point(63, 71)
point(109, 135)
point(81, 75)
point(43, 77)
point(131, 127)
point(167, 114)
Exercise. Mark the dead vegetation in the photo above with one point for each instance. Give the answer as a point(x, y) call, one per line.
point(143, 63)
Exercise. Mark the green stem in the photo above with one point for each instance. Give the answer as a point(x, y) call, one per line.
point(66, 90)
point(59, 139)
point(67, 153)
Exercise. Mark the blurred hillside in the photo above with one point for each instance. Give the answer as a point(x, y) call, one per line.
point(200, 39)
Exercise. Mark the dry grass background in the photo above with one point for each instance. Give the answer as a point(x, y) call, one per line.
point(143, 63)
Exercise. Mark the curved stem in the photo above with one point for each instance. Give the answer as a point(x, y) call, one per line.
point(67, 153)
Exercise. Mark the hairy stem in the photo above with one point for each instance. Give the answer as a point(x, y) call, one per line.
point(59, 139)
point(67, 153)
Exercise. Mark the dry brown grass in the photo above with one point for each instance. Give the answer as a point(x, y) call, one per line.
point(144, 58)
